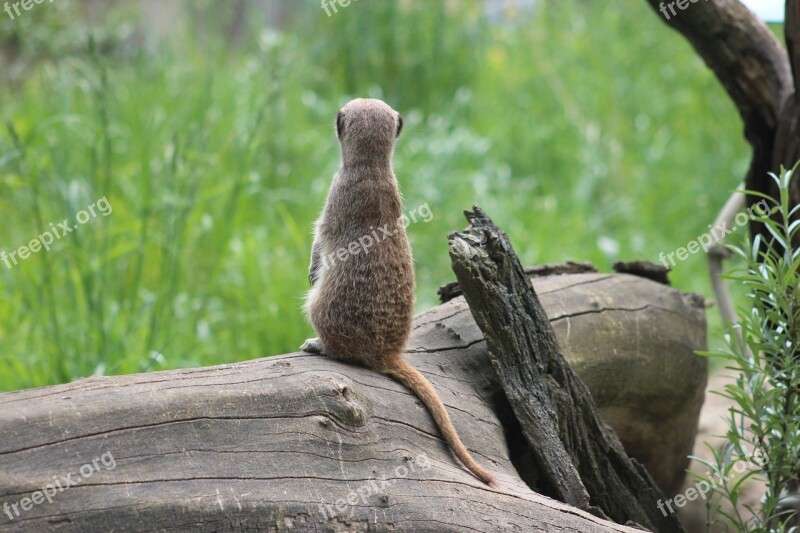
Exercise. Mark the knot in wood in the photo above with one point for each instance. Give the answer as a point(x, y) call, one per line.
point(347, 407)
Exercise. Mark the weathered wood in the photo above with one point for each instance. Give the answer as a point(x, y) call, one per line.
point(631, 341)
point(263, 444)
point(452, 290)
point(266, 445)
point(760, 78)
point(581, 457)
point(645, 269)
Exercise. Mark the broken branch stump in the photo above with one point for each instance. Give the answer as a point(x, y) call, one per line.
point(581, 457)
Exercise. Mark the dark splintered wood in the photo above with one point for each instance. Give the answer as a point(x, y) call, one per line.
point(644, 269)
point(581, 458)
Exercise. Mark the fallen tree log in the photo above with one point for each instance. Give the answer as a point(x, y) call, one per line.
point(304, 443)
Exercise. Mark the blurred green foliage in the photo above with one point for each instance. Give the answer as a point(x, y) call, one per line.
point(213, 141)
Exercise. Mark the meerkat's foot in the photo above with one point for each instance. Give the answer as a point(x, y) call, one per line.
point(312, 346)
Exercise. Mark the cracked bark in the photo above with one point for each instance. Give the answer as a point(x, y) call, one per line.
point(582, 459)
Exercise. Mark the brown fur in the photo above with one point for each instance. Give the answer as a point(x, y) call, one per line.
point(362, 307)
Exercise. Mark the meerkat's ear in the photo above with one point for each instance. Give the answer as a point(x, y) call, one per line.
point(399, 124)
point(340, 124)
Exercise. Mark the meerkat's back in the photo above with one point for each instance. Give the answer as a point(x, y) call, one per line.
point(362, 299)
point(367, 269)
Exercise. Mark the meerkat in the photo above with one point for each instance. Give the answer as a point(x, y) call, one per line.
point(361, 301)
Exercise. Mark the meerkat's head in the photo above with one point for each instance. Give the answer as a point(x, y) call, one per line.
point(367, 130)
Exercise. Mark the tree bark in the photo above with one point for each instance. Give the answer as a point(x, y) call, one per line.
point(582, 458)
point(759, 76)
point(282, 443)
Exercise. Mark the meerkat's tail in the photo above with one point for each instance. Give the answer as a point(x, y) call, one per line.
point(398, 368)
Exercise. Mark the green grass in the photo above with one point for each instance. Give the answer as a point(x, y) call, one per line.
point(587, 130)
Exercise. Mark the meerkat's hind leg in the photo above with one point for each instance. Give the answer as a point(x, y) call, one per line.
point(313, 346)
